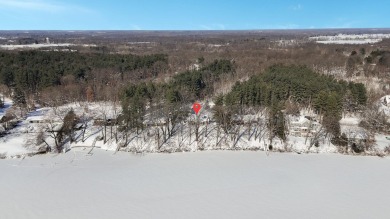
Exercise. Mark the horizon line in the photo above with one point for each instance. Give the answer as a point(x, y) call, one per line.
point(199, 30)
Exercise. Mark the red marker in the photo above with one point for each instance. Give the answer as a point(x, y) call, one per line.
point(196, 107)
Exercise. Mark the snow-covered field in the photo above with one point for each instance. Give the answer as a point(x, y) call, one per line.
point(35, 46)
point(217, 184)
point(350, 38)
point(42, 45)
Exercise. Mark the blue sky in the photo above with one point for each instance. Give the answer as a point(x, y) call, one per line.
point(191, 14)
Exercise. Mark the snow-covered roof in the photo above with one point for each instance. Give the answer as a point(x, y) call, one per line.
point(301, 120)
point(352, 121)
point(35, 118)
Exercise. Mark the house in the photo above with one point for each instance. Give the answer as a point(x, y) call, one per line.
point(194, 67)
point(304, 126)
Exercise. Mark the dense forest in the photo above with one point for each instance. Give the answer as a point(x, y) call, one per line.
point(31, 72)
point(170, 100)
point(280, 88)
point(295, 83)
point(276, 89)
point(34, 70)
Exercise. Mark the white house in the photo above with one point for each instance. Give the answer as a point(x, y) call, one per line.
point(194, 67)
point(303, 126)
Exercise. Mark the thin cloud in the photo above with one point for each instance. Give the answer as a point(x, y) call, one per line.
point(135, 27)
point(39, 5)
point(297, 7)
point(205, 27)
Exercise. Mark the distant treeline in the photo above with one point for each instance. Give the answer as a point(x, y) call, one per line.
point(31, 71)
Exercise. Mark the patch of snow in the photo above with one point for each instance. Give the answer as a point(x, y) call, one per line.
point(350, 38)
point(301, 145)
point(382, 141)
point(362, 41)
point(285, 43)
point(13, 146)
point(351, 121)
point(7, 104)
point(385, 104)
point(34, 46)
point(217, 45)
point(139, 43)
point(87, 45)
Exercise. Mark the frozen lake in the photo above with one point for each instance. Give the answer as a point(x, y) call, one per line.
point(215, 184)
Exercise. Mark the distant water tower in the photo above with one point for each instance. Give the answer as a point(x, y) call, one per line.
point(47, 40)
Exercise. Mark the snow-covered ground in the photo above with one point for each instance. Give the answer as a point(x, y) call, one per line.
point(381, 141)
point(35, 46)
point(43, 45)
point(212, 184)
point(23, 139)
point(11, 145)
point(350, 38)
point(140, 42)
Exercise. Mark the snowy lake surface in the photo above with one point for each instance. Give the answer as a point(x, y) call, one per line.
point(210, 184)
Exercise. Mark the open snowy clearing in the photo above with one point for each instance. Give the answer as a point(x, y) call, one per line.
point(42, 45)
point(350, 38)
point(35, 46)
point(218, 184)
